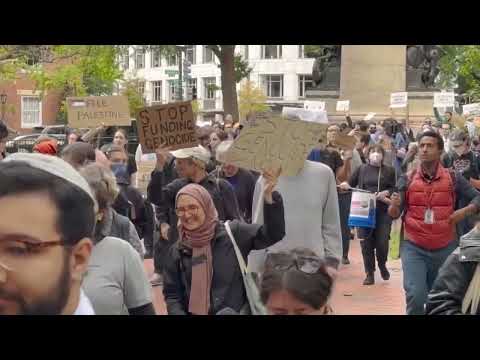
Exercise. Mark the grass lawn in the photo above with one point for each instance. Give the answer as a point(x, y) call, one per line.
point(394, 251)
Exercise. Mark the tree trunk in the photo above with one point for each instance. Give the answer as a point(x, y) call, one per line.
point(229, 85)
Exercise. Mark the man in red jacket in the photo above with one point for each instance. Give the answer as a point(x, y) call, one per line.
point(428, 198)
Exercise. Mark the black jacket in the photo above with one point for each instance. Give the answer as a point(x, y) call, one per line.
point(158, 180)
point(453, 279)
point(227, 288)
point(222, 194)
point(243, 183)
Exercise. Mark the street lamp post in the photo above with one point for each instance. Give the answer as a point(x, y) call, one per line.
point(180, 50)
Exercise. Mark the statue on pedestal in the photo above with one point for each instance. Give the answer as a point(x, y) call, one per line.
point(422, 66)
point(326, 68)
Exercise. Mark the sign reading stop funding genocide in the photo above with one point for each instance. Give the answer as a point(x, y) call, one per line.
point(399, 100)
point(92, 111)
point(443, 99)
point(170, 125)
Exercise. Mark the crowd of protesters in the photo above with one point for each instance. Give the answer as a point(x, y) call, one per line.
point(203, 219)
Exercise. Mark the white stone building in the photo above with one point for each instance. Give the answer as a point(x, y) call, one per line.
point(281, 70)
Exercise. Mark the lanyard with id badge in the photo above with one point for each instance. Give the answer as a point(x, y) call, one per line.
point(429, 217)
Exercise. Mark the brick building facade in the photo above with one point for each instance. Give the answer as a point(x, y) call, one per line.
point(31, 109)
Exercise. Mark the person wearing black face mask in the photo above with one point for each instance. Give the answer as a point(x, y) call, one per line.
point(378, 178)
point(129, 202)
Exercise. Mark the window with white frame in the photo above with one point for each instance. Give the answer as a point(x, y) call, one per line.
point(31, 112)
point(209, 84)
point(139, 59)
point(156, 59)
point(172, 60)
point(141, 87)
point(208, 55)
point(273, 86)
point(305, 82)
point(190, 54)
point(156, 91)
point(271, 51)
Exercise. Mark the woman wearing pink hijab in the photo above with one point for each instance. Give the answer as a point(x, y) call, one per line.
point(202, 275)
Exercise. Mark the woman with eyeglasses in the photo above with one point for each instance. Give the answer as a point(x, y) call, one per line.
point(296, 282)
point(202, 275)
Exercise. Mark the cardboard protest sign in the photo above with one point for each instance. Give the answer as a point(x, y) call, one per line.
point(369, 116)
point(399, 100)
point(92, 111)
point(319, 116)
point(459, 121)
point(343, 106)
point(169, 125)
point(144, 171)
point(471, 109)
point(443, 99)
point(314, 105)
point(345, 141)
point(276, 142)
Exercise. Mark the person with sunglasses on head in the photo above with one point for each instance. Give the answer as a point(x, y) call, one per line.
point(116, 281)
point(378, 178)
point(202, 275)
point(42, 264)
point(296, 282)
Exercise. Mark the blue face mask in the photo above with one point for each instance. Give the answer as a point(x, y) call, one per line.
point(121, 173)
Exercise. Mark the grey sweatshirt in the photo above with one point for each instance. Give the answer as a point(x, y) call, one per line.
point(311, 214)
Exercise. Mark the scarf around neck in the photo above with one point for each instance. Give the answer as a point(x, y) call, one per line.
point(199, 240)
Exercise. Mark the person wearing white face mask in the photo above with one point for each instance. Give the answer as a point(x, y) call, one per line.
point(378, 178)
point(461, 159)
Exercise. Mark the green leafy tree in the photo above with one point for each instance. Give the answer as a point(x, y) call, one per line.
point(136, 100)
point(233, 69)
point(460, 67)
point(252, 100)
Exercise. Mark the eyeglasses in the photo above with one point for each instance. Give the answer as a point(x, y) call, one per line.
point(283, 262)
point(191, 209)
point(15, 253)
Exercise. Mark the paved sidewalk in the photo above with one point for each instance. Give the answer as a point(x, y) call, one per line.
point(350, 297)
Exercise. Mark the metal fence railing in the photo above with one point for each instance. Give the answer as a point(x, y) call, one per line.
point(26, 145)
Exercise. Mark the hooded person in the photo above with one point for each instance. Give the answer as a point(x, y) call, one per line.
point(201, 274)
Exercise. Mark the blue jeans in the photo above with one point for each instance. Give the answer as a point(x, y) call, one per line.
point(420, 268)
